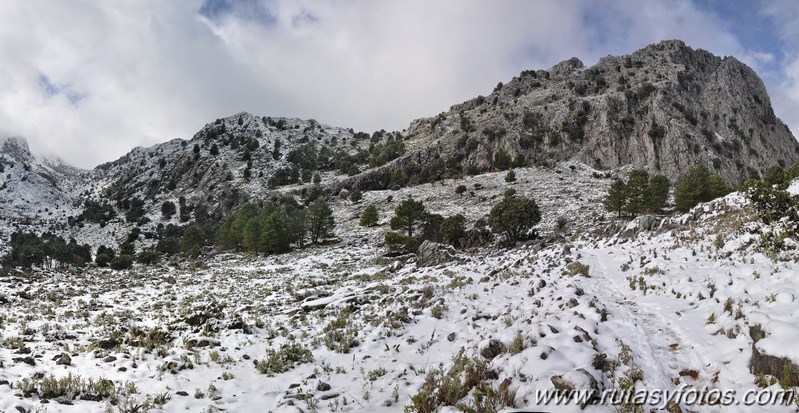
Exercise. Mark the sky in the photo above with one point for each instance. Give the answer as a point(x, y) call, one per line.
point(86, 81)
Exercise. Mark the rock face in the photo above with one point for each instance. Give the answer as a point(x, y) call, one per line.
point(663, 108)
point(432, 254)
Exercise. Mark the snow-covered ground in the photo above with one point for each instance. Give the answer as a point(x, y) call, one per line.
point(341, 327)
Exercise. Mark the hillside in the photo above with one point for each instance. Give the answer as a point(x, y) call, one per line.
point(662, 108)
point(233, 270)
point(341, 327)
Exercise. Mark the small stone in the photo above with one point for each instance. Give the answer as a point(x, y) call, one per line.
point(107, 344)
point(63, 359)
point(27, 360)
point(322, 386)
point(451, 336)
point(182, 393)
point(110, 359)
point(491, 349)
point(673, 407)
point(578, 379)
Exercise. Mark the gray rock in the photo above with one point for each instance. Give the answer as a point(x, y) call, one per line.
point(492, 349)
point(63, 359)
point(647, 223)
point(578, 379)
point(27, 360)
point(107, 344)
point(432, 254)
point(699, 109)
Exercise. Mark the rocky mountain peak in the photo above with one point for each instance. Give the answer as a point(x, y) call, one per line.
point(566, 68)
point(15, 148)
point(663, 108)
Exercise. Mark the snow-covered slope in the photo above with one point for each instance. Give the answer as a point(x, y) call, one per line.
point(225, 164)
point(342, 327)
point(34, 192)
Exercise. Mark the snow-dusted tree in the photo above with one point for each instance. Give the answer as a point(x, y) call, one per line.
point(369, 217)
point(320, 220)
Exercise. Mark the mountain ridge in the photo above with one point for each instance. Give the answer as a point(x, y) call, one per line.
point(662, 108)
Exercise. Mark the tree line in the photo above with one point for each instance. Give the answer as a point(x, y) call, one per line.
point(512, 219)
point(642, 193)
point(276, 226)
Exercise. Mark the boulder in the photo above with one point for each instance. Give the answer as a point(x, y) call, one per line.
point(63, 359)
point(432, 254)
point(491, 348)
point(647, 223)
point(578, 379)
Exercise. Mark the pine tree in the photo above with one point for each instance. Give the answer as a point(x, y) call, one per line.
point(636, 192)
point(697, 185)
point(617, 197)
point(275, 236)
point(452, 229)
point(297, 225)
point(356, 196)
point(510, 176)
point(192, 241)
point(502, 160)
point(657, 193)
point(370, 216)
point(774, 175)
point(320, 220)
point(409, 216)
point(514, 217)
point(717, 187)
point(168, 209)
point(251, 234)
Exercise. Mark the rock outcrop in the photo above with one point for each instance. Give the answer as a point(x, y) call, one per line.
point(432, 254)
point(663, 108)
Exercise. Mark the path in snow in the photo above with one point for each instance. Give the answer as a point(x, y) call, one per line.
point(661, 349)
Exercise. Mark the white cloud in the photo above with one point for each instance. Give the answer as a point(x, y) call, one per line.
point(785, 14)
point(150, 70)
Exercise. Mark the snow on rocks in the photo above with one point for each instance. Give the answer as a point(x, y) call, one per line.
point(341, 327)
point(793, 188)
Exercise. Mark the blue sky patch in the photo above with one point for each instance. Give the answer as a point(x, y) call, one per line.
point(51, 90)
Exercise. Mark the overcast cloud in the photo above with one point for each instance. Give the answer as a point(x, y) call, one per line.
point(88, 80)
